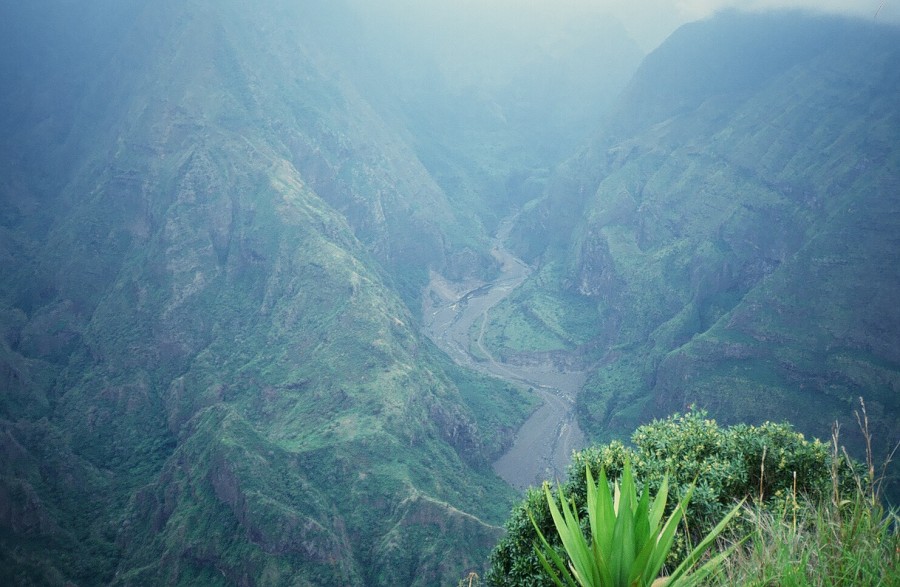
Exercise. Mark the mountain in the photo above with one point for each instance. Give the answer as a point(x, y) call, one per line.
point(491, 96)
point(729, 238)
point(209, 373)
point(216, 221)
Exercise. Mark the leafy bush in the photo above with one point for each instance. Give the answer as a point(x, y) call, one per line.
point(842, 539)
point(767, 464)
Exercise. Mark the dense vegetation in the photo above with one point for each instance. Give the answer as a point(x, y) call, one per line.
point(732, 235)
point(814, 519)
point(205, 346)
point(216, 221)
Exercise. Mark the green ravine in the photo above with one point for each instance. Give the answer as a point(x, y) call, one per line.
point(210, 374)
point(217, 222)
point(737, 239)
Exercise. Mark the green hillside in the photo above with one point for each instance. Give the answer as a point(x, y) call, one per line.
point(735, 228)
point(217, 220)
point(209, 374)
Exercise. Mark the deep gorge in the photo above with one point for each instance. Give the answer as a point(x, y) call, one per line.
point(275, 281)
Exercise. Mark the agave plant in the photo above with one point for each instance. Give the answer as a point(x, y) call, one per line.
point(629, 543)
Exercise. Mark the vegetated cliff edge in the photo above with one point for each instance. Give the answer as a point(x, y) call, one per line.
point(734, 228)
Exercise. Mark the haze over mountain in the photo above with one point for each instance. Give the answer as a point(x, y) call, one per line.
point(735, 225)
point(208, 370)
point(217, 221)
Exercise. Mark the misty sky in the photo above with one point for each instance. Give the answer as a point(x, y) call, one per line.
point(651, 21)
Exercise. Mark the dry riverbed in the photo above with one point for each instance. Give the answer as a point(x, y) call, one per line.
point(544, 444)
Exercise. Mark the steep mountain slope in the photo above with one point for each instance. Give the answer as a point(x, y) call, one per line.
point(215, 218)
point(491, 95)
point(734, 228)
point(208, 374)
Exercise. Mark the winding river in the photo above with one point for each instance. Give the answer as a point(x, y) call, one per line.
point(543, 445)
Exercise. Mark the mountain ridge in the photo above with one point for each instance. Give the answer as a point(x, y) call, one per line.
point(210, 311)
point(699, 212)
point(213, 240)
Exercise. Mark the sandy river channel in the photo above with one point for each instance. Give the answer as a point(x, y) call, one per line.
point(543, 445)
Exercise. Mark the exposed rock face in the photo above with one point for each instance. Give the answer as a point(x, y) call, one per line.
point(596, 272)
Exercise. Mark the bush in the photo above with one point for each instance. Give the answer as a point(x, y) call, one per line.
point(845, 539)
point(767, 464)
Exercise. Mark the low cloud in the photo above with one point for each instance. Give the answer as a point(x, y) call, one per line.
point(648, 21)
point(651, 21)
point(866, 8)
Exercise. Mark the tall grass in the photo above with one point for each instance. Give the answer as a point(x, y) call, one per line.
point(814, 516)
point(853, 544)
point(840, 540)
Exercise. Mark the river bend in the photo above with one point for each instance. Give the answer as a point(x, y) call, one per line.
point(543, 445)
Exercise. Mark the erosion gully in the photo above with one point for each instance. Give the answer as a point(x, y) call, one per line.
point(543, 445)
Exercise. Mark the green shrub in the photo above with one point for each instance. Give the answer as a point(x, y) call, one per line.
point(767, 464)
point(847, 538)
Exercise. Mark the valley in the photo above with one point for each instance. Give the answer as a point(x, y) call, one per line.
point(307, 293)
point(455, 318)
